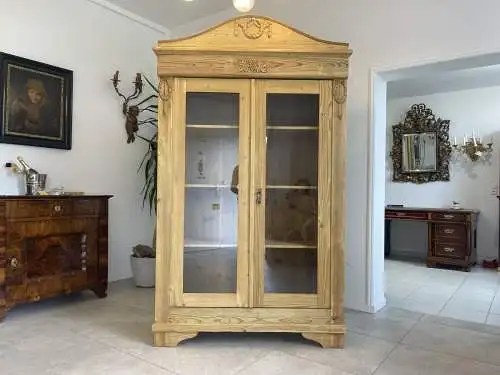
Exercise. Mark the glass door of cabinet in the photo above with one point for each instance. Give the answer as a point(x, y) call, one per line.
point(292, 235)
point(214, 184)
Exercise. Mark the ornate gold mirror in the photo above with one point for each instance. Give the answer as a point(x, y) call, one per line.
point(421, 147)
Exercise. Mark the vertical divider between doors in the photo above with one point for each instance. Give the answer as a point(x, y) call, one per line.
point(244, 156)
point(257, 210)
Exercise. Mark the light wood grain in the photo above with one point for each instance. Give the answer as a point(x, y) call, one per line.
point(252, 56)
point(226, 37)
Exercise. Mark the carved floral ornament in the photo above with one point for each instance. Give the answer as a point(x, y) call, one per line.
point(253, 28)
point(340, 96)
point(252, 66)
point(164, 92)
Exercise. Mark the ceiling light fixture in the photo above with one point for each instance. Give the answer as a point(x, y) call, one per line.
point(244, 5)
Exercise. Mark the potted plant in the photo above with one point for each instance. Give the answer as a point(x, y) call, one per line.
point(143, 112)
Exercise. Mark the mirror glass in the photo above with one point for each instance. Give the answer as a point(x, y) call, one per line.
point(420, 152)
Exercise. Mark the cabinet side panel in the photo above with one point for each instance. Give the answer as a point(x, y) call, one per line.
point(163, 298)
point(3, 259)
point(177, 187)
point(338, 196)
point(325, 194)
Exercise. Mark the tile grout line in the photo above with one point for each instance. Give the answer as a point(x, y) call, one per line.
point(451, 297)
point(124, 351)
point(495, 296)
point(385, 359)
point(258, 359)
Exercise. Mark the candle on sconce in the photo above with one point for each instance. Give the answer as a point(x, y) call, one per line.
point(454, 141)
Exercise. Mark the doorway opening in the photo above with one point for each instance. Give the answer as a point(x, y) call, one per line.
point(393, 91)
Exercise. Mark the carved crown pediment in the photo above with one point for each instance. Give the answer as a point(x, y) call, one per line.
point(254, 33)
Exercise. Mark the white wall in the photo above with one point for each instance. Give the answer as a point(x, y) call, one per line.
point(388, 34)
point(473, 185)
point(93, 42)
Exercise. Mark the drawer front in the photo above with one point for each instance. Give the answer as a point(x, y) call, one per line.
point(84, 207)
point(449, 217)
point(410, 215)
point(38, 208)
point(450, 250)
point(454, 232)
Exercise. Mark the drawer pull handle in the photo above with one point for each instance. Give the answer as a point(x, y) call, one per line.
point(57, 208)
point(448, 216)
point(14, 263)
point(400, 214)
point(449, 231)
point(449, 249)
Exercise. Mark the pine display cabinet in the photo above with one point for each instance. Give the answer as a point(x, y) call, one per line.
point(251, 183)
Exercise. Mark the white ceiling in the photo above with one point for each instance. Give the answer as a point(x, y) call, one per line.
point(439, 82)
point(173, 13)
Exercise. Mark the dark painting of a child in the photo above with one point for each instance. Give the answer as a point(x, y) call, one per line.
point(36, 103)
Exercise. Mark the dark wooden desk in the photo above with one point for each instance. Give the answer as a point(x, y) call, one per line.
point(451, 234)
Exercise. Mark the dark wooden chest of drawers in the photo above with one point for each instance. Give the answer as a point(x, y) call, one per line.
point(52, 245)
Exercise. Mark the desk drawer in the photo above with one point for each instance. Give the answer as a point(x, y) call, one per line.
point(455, 232)
point(23, 209)
point(409, 215)
point(449, 216)
point(85, 207)
point(449, 250)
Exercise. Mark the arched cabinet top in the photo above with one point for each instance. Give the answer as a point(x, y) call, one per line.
point(252, 46)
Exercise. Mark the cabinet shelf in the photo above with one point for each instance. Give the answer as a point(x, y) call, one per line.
point(194, 243)
point(207, 186)
point(290, 187)
point(292, 127)
point(270, 244)
point(215, 126)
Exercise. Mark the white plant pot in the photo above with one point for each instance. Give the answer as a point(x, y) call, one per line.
point(143, 270)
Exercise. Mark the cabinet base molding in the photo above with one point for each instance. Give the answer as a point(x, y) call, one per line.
point(184, 323)
point(172, 339)
point(326, 340)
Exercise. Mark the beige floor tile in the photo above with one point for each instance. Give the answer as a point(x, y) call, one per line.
point(494, 320)
point(405, 360)
point(480, 346)
point(390, 324)
point(279, 363)
point(451, 322)
point(218, 354)
point(361, 356)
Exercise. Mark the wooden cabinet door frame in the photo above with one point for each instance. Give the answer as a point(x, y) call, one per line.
point(176, 183)
point(322, 297)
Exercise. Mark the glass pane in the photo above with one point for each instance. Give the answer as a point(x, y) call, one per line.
point(291, 228)
point(211, 208)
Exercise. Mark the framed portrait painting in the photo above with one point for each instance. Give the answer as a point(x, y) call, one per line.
point(35, 103)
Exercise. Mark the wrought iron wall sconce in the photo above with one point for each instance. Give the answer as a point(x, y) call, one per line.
point(473, 147)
